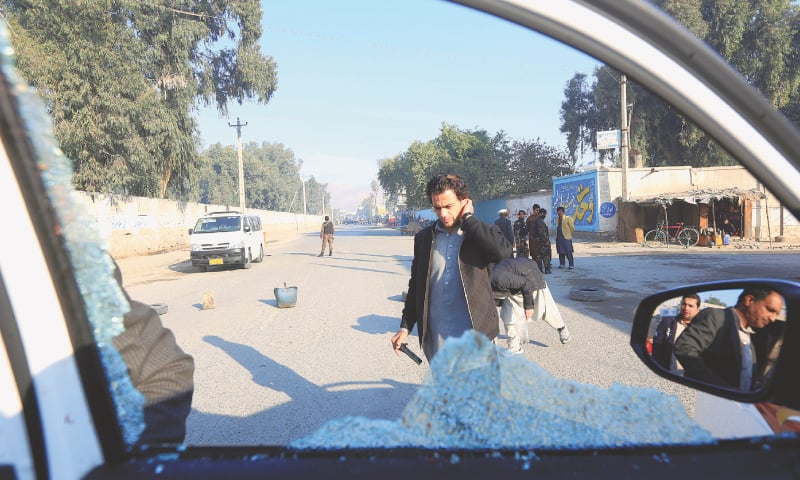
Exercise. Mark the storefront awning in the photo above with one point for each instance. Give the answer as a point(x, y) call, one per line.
point(698, 196)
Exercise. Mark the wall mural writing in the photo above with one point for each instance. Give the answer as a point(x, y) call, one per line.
point(578, 195)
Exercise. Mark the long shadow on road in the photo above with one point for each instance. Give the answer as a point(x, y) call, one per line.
point(310, 406)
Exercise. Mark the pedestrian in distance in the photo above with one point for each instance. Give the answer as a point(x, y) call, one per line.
point(326, 234)
point(505, 225)
point(521, 235)
point(529, 222)
point(522, 294)
point(542, 253)
point(565, 227)
point(450, 291)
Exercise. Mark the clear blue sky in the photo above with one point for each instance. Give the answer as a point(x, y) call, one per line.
point(361, 80)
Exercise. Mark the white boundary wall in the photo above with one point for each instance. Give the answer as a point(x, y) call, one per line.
point(143, 226)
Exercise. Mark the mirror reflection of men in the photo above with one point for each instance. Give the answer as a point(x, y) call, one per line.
point(449, 291)
point(719, 346)
point(670, 328)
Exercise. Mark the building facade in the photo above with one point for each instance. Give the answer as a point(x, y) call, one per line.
point(699, 197)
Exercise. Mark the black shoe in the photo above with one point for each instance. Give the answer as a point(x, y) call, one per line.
point(330, 253)
point(320, 255)
point(548, 271)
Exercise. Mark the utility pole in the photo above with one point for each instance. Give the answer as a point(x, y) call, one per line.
point(239, 126)
point(305, 212)
point(623, 85)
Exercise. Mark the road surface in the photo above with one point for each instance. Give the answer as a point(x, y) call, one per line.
point(267, 375)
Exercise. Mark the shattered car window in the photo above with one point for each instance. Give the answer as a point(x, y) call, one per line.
point(473, 397)
point(92, 266)
point(476, 397)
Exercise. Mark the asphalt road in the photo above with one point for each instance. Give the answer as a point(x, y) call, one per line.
point(268, 375)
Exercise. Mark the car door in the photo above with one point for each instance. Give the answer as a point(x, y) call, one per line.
point(66, 402)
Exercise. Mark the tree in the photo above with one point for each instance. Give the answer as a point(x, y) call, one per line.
point(394, 176)
point(271, 177)
point(475, 155)
point(715, 301)
point(121, 83)
point(575, 116)
point(534, 164)
point(758, 37)
point(218, 177)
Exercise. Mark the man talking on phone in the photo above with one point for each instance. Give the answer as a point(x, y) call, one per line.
point(450, 290)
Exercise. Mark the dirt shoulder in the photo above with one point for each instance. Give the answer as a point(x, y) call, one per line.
point(173, 264)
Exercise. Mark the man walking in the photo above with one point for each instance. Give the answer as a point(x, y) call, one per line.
point(565, 227)
point(450, 290)
point(326, 234)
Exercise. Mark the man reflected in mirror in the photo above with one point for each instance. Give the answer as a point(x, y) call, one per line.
point(719, 347)
point(670, 328)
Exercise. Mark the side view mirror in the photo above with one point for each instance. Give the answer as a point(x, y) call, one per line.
point(190, 231)
point(736, 339)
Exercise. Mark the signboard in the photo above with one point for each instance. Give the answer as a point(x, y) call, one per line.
point(608, 139)
point(607, 209)
point(578, 195)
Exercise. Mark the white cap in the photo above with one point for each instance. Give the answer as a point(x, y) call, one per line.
point(502, 211)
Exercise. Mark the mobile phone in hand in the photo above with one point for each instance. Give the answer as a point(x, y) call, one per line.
point(413, 356)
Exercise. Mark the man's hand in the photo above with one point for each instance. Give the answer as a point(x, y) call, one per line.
point(468, 207)
point(528, 314)
point(398, 339)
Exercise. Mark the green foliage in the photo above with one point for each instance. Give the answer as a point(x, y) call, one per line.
point(493, 166)
point(479, 158)
point(533, 165)
point(271, 179)
point(760, 38)
point(122, 77)
point(576, 116)
point(715, 301)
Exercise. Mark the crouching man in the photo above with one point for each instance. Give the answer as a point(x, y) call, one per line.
point(522, 295)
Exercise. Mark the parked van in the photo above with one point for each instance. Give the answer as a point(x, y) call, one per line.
point(224, 238)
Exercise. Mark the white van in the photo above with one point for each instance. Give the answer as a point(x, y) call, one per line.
point(224, 238)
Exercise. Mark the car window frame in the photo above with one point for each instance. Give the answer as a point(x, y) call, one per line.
point(215, 459)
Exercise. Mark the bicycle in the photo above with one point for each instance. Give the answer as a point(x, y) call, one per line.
point(663, 235)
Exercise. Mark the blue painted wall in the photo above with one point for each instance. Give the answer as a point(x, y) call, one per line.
point(578, 194)
point(486, 210)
